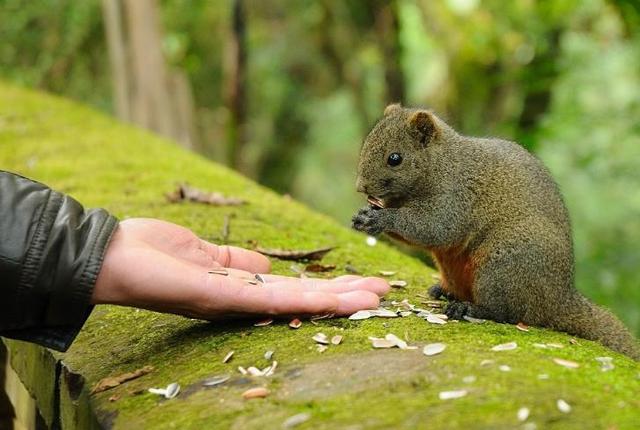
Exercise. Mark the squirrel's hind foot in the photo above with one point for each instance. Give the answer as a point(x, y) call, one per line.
point(456, 310)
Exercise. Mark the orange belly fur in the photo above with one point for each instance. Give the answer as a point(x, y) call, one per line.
point(457, 268)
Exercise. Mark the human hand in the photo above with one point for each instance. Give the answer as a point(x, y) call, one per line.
point(160, 266)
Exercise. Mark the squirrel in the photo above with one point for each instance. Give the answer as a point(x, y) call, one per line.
point(492, 217)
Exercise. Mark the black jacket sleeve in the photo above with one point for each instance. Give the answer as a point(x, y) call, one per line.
point(51, 251)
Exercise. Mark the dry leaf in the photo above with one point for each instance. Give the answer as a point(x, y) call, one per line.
point(296, 255)
point(318, 268)
point(188, 193)
point(113, 381)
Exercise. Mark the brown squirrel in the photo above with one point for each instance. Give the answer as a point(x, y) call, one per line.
point(492, 217)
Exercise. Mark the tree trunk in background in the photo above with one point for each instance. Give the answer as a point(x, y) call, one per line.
point(146, 92)
point(235, 65)
point(542, 74)
point(112, 13)
point(388, 33)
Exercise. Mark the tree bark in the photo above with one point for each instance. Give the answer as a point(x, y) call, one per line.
point(112, 13)
point(388, 33)
point(235, 64)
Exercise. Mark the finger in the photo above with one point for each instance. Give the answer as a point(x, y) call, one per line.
point(355, 301)
point(275, 278)
point(255, 299)
point(238, 258)
point(374, 285)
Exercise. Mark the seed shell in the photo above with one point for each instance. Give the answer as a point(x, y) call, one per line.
point(433, 348)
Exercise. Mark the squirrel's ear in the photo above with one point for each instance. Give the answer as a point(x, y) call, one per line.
point(424, 124)
point(392, 108)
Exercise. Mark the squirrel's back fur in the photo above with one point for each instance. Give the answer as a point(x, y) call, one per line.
point(493, 218)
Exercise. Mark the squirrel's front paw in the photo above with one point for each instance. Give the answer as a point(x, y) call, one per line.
point(369, 220)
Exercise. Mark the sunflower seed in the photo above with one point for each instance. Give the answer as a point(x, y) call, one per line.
point(434, 319)
point(563, 406)
point(223, 272)
point(268, 355)
point(433, 348)
point(474, 320)
point(523, 414)
point(386, 273)
point(396, 341)
point(169, 392)
point(361, 315)
point(383, 313)
point(254, 371)
point(271, 369)
point(228, 356)
point(522, 326)
point(469, 379)
point(486, 362)
point(446, 395)
point(336, 340)
point(566, 363)
point(371, 241)
point(505, 347)
point(242, 370)
point(259, 278)
point(543, 376)
point(504, 368)
point(321, 338)
point(264, 322)
point(321, 348)
point(296, 420)
point(216, 380)
point(398, 284)
point(382, 343)
point(555, 345)
point(254, 393)
point(606, 363)
point(295, 323)
point(540, 345)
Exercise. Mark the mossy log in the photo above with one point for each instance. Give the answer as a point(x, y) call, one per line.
point(128, 171)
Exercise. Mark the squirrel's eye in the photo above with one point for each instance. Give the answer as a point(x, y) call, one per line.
point(394, 159)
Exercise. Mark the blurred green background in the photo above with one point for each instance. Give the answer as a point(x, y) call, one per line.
point(285, 91)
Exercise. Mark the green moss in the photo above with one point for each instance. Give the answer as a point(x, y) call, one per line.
point(128, 171)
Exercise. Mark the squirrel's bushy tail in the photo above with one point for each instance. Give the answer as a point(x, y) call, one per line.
point(592, 322)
